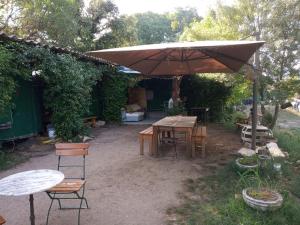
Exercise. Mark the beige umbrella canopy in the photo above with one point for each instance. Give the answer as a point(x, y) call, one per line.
point(182, 58)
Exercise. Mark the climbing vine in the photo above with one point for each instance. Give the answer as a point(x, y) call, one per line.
point(68, 83)
point(12, 68)
point(114, 92)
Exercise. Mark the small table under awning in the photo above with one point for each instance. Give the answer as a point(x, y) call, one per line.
point(180, 123)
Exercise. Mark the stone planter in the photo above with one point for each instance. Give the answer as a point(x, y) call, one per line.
point(244, 167)
point(273, 202)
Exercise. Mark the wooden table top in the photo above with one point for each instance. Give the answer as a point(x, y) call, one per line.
point(30, 182)
point(177, 121)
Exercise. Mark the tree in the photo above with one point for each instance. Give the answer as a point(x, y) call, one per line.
point(153, 28)
point(122, 33)
point(66, 23)
point(182, 18)
point(276, 22)
point(53, 21)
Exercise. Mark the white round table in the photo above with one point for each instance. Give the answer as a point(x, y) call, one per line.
point(28, 183)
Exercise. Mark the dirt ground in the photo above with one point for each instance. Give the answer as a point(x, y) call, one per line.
point(123, 188)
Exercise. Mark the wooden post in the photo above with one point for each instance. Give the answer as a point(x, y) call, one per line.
point(176, 89)
point(254, 103)
point(254, 113)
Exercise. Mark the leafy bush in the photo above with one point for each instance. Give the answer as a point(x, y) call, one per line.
point(114, 94)
point(267, 119)
point(68, 83)
point(67, 91)
point(176, 110)
point(289, 140)
point(12, 68)
point(231, 117)
point(204, 92)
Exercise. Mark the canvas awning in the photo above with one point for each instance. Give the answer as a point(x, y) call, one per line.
point(182, 58)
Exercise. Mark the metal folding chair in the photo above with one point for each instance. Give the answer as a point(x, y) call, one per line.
point(72, 188)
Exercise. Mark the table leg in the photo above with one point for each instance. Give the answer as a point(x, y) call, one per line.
point(191, 151)
point(32, 217)
point(155, 141)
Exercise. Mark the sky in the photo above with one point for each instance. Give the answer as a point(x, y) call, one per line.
point(161, 6)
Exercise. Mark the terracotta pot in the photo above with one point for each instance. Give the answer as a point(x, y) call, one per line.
point(243, 167)
point(263, 205)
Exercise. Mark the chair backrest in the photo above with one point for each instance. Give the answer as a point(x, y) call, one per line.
point(72, 149)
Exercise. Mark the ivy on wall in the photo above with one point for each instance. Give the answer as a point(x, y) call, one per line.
point(114, 92)
point(204, 92)
point(12, 67)
point(68, 83)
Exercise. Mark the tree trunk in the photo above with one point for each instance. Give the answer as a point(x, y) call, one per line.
point(275, 116)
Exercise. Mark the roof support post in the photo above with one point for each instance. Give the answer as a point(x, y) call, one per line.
point(176, 89)
point(254, 102)
point(254, 112)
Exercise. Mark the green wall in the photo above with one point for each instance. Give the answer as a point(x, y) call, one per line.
point(25, 115)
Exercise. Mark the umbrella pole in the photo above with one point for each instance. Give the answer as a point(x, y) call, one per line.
point(254, 113)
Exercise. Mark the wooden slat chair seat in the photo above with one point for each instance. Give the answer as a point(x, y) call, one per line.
point(146, 134)
point(199, 138)
point(2, 220)
point(71, 187)
point(68, 186)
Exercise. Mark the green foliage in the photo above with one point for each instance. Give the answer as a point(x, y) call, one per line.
point(8, 160)
point(7, 82)
point(209, 28)
point(68, 84)
point(182, 17)
point(176, 110)
point(67, 91)
point(224, 203)
point(12, 66)
point(289, 140)
point(250, 160)
point(114, 92)
point(240, 90)
point(267, 119)
point(204, 92)
point(153, 28)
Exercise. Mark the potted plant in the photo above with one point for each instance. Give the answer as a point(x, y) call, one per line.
point(263, 199)
point(246, 163)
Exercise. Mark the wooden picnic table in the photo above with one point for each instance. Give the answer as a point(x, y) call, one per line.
point(180, 123)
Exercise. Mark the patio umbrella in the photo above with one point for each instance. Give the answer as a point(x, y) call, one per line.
point(186, 58)
point(182, 58)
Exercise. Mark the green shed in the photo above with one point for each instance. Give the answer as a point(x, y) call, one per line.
point(24, 118)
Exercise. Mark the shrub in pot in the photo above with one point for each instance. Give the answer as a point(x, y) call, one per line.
point(263, 199)
point(246, 163)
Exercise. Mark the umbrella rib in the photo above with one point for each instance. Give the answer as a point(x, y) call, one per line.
point(226, 56)
point(159, 62)
point(185, 59)
point(140, 60)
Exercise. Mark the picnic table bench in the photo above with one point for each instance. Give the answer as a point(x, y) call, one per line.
point(146, 134)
